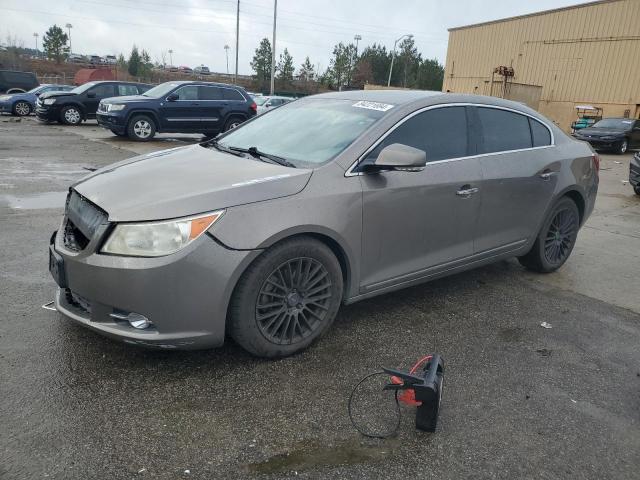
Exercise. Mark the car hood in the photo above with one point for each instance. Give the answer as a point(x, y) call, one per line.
point(57, 94)
point(601, 132)
point(127, 98)
point(186, 181)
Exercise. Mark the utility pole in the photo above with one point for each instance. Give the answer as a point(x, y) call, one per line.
point(36, 37)
point(393, 56)
point(226, 49)
point(68, 25)
point(235, 78)
point(273, 47)
point(170, 58)
point(357, 38)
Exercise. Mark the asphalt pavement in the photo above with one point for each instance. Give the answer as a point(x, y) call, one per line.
point(520, 400)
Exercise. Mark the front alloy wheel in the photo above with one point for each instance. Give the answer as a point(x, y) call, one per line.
point(22, 109)
point(141, 128)
point(71, 116)
point(286, 298)
point(623, 146)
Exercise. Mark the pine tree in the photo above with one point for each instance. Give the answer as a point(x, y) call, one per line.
point(135, 62)
point(307, 72)
point(261, 63)
point(54, 44)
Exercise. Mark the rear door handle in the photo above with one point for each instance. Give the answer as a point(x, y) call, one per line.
point(466, 191)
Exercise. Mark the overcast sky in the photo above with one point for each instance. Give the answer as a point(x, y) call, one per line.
point(197, 30)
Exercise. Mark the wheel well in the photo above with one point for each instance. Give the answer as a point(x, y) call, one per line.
point(234, 115)
point(579, 201)
point(150, 114)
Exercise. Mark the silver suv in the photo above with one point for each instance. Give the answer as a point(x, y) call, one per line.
point(265, 231)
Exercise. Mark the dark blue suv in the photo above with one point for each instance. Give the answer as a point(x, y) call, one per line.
point(177, 107)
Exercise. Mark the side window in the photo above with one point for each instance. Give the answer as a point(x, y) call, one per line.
point(231, 94)
point(441, 132)
point(103, 91)
point(540, 133)
point(503, 130)
point(210, 93)
point(124, 89)
point(189, 92)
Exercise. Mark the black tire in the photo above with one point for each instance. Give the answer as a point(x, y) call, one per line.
point(141, 128)
point(71, 115)
point(22, 109)
point(622, 146)
point(292, 316)
point(556, 239)
point(637, 189)
point(118, 134)
point(232, 123)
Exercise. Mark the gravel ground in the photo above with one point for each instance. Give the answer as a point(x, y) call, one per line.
point(520, 401)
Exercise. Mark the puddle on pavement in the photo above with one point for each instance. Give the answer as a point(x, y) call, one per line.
point(37, 201)
point(311, 456)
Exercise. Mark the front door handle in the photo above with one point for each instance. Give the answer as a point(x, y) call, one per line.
point(466, 191)
point(547, 174)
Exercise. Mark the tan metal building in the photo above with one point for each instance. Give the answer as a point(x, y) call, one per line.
point(554, 60)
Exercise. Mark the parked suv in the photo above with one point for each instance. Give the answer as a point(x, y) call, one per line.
point(81, 103)
point(17, 82)
point(263, 232)
point(177, 107)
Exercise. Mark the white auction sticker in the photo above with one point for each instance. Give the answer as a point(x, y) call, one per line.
point(382, 107)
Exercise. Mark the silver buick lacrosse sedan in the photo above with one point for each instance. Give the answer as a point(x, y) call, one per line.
point(263, 232)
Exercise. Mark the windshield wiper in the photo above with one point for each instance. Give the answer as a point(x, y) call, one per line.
point(254, 152)
point(215, 144)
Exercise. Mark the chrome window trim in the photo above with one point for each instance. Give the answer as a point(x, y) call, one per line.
point(209, 86)
point(351, 173)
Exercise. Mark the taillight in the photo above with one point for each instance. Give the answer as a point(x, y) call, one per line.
point(254, 107)
point(596, 161)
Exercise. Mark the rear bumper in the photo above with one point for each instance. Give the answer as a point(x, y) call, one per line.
point(6, 107)
point(185, 295)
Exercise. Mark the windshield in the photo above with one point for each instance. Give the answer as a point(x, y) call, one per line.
point(83, 88)
point(260, 100)
point(161, 90)
point(308, 132)
point(614, 123)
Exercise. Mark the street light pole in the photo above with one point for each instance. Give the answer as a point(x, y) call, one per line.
point(273, 47)
point(226, 50)
point(36, 37)
point(68, 25)
point(393, 55)
point(235, 78)
point(357, 38)
point(170, 58)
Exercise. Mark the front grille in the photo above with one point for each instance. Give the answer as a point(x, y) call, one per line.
point(634, 170)
point(83, 221)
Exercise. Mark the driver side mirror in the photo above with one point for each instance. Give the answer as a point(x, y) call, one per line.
point(400, 157)
point(173, 97)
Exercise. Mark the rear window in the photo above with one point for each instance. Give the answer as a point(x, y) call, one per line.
point(503, 130)
point(231, 94)
point(540, 134)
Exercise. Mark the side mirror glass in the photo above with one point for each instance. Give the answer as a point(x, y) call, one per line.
point(401, 157)
point(173, 97)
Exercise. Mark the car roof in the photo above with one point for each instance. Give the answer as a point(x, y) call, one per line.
point(396, 97)
point(203, 82)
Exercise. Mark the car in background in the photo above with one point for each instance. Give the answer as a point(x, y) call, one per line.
point(185, 69)
point(17, 82)
point(262, 233)
point(110, 60)
point(76, 58)
point(634, 173)
point(96, 60)
point(81, 103)
point(266, 103)
point(22, 104)
point(202, 70)
point(177, 107)
point(171, 68)
point(617, 134)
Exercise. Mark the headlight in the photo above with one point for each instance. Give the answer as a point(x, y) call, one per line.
point(115, 107)
point(155, 239)
point(49, 101)
point(5, 97)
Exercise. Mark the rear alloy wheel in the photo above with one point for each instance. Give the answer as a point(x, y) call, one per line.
point(232, 123)
point(141, 128)
point(556, 239)
point(71, 116)
point(287, 298)
point(22, 109)
point(623, 146)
